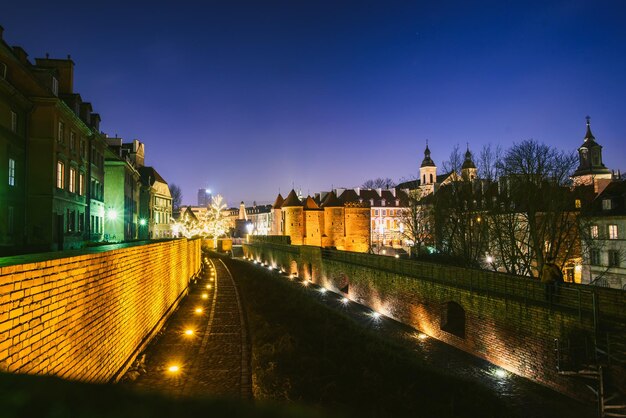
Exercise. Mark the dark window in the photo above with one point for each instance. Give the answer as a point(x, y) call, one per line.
point(594, 258)
point(614, 258)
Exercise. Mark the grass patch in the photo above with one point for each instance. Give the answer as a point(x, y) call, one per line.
point(304, 351)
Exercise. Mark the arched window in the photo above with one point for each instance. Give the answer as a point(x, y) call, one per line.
point(431, 177)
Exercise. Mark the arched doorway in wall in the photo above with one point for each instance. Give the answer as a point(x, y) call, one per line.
point(453, 319)
point(293, 268)
point(343, 283)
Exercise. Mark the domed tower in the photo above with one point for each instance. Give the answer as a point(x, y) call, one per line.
point(293, 218)
point(333, 221)
point(590, 166)
point(428, 172)
point(468, 169)
point(313, 222)
point(277, 226)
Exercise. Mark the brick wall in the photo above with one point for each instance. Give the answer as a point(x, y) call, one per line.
point(507, 320)
point(83, 316)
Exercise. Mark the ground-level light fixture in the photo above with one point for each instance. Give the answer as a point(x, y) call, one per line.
point(376, 315)
point(208, 286)
point(422, 336)
point(323, 290)
point(500, 373)
point(198, 310)
point(174, 368)
point(345, 301)
point(205, 296)
point(489, 259)
point(142, 222)
point(189, 332)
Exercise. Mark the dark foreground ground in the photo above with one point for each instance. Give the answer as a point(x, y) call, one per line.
point(309, 347)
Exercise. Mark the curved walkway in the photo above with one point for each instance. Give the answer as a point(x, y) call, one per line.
point(206, 339)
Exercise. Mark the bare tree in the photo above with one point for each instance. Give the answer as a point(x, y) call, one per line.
point(488, 162)
point(534, 218)
point(177, 196)
point(417, 222)
point(378, 183)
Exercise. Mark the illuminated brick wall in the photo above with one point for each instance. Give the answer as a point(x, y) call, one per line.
point(82, 317)
point(506, 318)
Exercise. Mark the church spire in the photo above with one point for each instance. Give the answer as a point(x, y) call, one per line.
point(589, 135)
point(427, 161)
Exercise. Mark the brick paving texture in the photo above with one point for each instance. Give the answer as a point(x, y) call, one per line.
point(206, 338)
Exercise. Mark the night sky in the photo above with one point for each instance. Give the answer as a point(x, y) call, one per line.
point(247, 98)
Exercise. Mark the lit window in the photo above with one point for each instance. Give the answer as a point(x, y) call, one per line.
point(606, 204)
point(11, 172)
point(612, 231)
point(61, 133)
point(60, 175)
point(13, 121)
point(594, 231)
point(81, 184)
point(72, 187)
point(577, 203)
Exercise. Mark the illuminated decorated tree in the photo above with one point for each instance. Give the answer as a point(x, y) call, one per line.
point(187, 226)
point(214, 223)
point(211, 224)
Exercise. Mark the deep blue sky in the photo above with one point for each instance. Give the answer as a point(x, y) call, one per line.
point(247, 97)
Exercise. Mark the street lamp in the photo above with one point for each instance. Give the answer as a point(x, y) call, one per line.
point(112, 214)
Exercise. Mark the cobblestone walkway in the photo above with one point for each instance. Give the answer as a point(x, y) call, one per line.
point(203, 348)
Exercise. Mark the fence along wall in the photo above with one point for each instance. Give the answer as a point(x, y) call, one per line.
point(83, 317)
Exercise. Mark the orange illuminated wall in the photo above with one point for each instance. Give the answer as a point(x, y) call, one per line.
point(83, 317)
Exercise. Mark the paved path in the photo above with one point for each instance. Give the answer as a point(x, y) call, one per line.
point(206, 338)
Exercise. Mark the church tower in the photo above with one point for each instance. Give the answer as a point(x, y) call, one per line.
point(468, 169)
point(428, 173)
point(590, 170)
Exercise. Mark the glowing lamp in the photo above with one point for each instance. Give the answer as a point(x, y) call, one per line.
point(188, 332)
point(205, 296)
point(198, 310)
point(345, 301)
point(174, 368)
point(112, 214)
point(142, 222)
